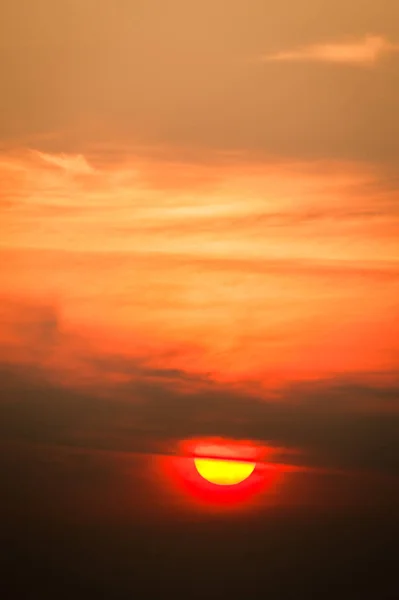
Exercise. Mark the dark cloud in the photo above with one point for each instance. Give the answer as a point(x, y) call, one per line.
point(349, 422)
point(35, 322)
point(334, 423)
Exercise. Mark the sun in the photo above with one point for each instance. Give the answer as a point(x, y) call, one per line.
point(222, 471)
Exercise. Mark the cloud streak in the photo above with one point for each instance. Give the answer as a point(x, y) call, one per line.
point(328, 425)
point(365, 51)
point(243, 269)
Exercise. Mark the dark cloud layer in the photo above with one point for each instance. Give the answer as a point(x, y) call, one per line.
point(325, 422)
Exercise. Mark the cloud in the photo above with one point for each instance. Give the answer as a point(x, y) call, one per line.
point(261, 274)
point(28, 331)
point(335, 423)
point(74, 164)
point(365, 51)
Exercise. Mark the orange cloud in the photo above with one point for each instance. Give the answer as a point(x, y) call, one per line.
point(77, 165)
point(244, 271)
point(365, 51)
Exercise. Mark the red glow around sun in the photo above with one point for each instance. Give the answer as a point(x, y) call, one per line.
point(228, 487)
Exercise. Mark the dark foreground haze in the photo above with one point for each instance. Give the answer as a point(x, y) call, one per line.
point(78, 524)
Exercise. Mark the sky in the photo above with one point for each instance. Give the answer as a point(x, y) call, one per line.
point(199, 236)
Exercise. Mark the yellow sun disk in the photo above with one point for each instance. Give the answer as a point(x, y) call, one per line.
point(223, 472)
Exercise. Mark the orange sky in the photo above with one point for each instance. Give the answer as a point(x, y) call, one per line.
point(203, 195)
point(237, 270)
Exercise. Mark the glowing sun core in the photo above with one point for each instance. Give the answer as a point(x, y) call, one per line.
point(224, 472)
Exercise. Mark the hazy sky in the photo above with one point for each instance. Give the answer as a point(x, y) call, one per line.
point(199, 223)
point(74, 72)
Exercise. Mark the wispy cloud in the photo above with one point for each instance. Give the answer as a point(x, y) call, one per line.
point(364, 51)
point(240, 269)
point(77, 165)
